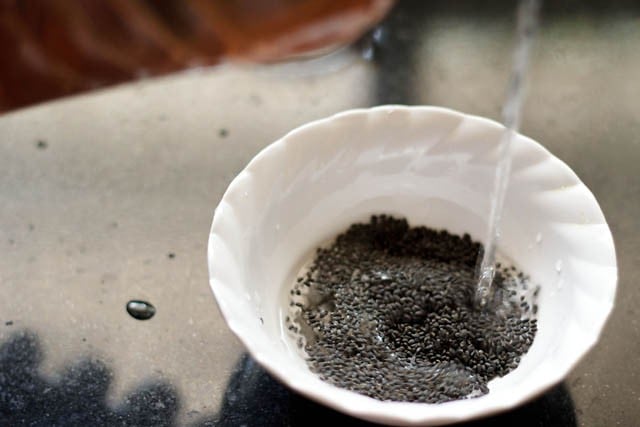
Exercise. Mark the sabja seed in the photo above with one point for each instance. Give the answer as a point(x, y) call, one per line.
point(386, 311)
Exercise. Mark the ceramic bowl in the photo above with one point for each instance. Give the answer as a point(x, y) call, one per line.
point(435, 167)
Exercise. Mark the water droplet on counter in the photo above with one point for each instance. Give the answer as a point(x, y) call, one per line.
point(140, 310)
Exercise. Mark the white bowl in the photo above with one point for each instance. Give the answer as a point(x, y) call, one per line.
point(433, 166)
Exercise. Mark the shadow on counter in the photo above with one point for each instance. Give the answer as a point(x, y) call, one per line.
point(254, 398)
point(78, 397)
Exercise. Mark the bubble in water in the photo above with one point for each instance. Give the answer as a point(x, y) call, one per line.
point(383, 276)
point(140, 310)
point(559, 265)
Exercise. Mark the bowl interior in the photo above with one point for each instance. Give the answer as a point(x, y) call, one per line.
point(434, 167)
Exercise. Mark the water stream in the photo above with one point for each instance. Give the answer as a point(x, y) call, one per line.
point(527, 26)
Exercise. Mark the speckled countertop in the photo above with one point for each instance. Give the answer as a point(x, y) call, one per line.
point(109, 196)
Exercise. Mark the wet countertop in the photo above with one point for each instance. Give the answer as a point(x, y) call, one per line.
point(108, 197)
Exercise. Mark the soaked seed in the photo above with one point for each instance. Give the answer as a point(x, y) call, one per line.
point(386, 311)
point(140, 310)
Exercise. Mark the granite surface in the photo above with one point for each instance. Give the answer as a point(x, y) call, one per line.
point(108, 197)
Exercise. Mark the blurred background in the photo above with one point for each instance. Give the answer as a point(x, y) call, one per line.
point(107, 196)
point(56, 47)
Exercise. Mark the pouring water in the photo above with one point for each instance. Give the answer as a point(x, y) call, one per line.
point(526, 29)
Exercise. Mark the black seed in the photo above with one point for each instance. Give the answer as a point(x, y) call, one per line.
point(140, 310)
point(388, 314)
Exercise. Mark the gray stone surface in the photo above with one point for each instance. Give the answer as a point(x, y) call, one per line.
point(96, 191)
point(127, 177)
